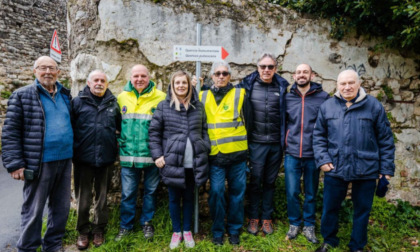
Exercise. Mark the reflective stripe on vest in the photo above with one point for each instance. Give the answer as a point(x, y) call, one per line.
point(137, 116)
point(226, 129)
point(132, 159)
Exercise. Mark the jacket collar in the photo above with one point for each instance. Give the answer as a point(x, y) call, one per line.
point(315, 87)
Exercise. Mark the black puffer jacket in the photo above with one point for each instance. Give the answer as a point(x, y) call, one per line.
point(23, 130)
point(248, 84)
point(266, 112)
point(95, 140)
point(168, 133)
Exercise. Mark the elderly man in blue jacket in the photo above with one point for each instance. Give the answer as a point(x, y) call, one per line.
point(353, 143)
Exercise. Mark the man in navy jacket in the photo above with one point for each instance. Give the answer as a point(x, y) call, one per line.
point(302, 104)
point(353, 142)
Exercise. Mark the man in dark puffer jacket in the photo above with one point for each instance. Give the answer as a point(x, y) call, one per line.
point(96, 118)
point(265, 118)
point(37, 143)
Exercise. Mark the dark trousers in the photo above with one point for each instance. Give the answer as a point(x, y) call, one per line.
point(265, 160)
point(86, 177)
point(187, 195)
point(52, 184)
point(335, 190)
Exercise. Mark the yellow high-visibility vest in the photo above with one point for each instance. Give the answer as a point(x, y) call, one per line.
point(225, 125)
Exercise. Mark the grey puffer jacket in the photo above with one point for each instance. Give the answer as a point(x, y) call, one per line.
point(168, 133)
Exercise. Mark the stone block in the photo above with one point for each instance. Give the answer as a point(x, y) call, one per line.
point(407, 95)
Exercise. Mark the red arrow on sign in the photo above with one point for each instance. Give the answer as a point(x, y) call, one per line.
point(55, 45)
point(224, 53)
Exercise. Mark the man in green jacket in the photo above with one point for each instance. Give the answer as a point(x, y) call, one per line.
point(137, 102)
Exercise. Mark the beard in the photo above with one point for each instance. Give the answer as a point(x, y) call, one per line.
point(303, 84)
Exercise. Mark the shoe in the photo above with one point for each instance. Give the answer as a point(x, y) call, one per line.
point(234, 239)
point(176, 240)
point(98, 239)
point(218, 241)
point(253, 226)
point(324, 247)
point(188, 239)
point(123, 232)
point(82, 242)
point(309, 233)
point(267, 227)
point(148, 230)
point(293, 232)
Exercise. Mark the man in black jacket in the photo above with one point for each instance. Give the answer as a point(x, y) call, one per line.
point(302, 105)
point(264, 119)
point(96, 119)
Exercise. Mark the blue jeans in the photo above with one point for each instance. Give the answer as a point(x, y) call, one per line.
point(187, 195)
point(52, 184)
point(236, 177)
point(293, 168)
point(130, 179)
point(265, 160)
point(335, 190)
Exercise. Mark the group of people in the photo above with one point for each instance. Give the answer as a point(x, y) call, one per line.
point(185, 138)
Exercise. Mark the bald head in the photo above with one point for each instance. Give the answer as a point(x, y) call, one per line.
point(43, 59)
point(139, 77)
point(348, 84)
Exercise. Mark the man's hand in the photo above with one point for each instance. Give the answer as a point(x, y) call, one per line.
point(160, 162)
point(327, 167)
point(388, 177)
point(18, 174)
point(194, 81)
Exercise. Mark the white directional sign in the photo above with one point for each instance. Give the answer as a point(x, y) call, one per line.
point(199, 53)
point(55, 51)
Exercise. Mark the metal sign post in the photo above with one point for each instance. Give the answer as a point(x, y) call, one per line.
point(198, 88)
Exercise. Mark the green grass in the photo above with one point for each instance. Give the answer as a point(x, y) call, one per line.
point(391, 228)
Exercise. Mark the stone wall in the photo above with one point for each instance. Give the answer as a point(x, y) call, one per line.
point(116, 34)
point(26, 28)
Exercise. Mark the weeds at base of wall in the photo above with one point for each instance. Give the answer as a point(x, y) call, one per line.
point(391, 228)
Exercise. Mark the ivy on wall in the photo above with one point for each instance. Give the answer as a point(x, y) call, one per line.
point(398, 21)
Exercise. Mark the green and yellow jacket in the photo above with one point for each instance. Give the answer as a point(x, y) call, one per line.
point(137, 111)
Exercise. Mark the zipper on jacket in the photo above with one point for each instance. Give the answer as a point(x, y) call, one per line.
point(302, 121)
point(43, 136)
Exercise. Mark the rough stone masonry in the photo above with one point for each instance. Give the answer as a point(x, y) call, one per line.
point(116, 34)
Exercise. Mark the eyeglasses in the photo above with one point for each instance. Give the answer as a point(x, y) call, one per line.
point(52, 69)
point(217, 74)
point(270, 67)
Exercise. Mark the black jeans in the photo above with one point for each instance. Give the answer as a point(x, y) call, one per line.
point(86, 177)
point(53, 184)
point(265, 160)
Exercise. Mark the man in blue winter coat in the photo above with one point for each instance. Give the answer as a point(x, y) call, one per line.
point(353, 143)
point(302, 104)
point(37, 142)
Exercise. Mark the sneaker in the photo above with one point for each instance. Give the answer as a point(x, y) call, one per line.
point(123, 232)
point(293, 232)
point(325, 247)
point(253, 226)
point(188, 239)
point(234, 239)
point(148, 230)
point(176, 240)
point(218, 241)
point(309, 233)
point(267, 227)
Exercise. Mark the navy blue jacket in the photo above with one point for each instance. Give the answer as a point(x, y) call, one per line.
point(248, 84)
point(23, 130)
point(301, 116)
point(358, 140)
point(95, 139)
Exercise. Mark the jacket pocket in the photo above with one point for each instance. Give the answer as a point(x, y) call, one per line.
point(335, 158)
point(367, 163)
